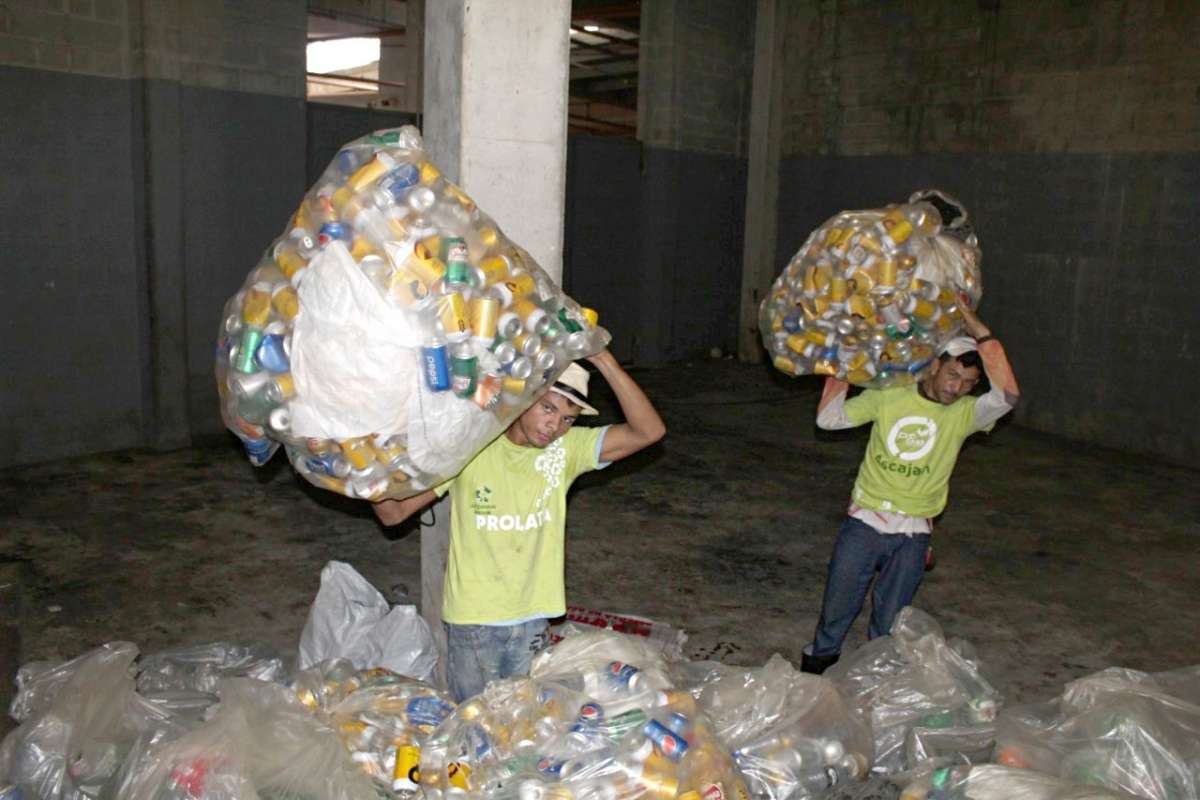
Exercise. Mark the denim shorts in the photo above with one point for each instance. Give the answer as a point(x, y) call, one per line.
point(479, 654)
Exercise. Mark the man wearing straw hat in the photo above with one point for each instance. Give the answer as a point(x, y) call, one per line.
point(505, 569)
point(903, 481)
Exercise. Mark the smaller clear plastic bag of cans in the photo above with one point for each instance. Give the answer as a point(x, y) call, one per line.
point(996, 782)
point(392, 330)
point(915, 687)
point(873, 295)
point(1118, 728)
point(384, 718)
point(791, 734)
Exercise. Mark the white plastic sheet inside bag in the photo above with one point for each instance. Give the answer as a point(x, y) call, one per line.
point(350, 619)
point(444, 432)
point(354, 356)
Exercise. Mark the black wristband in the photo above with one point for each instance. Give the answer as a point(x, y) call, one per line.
point(983, 339)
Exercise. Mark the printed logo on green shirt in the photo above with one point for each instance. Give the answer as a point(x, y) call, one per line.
point(912, 438)
point(483, 499)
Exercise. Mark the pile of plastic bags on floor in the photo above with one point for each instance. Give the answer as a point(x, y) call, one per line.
point(392, 330)
point(872, 295)
point(925, 697)
point(1118, 728)
point(602, 716)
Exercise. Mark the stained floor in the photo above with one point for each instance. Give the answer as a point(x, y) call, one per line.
point(1054, 559)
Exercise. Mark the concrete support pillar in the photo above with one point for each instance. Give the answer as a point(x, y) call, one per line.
point(495, 122)
point(759, 265)
point(495, 103)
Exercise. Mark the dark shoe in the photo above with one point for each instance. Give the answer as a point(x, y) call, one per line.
point(816, 665)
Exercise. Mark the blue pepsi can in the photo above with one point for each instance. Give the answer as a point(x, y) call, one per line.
point(591, 713)
point(400, 180)
point(333, 230)
point(620, 674)
point(549, 766)
point(427, 710)
point(791, 324)
point(679, 723)
point(669, 743)
point(259, 451)
point(345, 162)
point(272, 355)
point(328, 464)
point(436, 362)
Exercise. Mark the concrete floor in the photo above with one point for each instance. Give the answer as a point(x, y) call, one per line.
point(1054, 559)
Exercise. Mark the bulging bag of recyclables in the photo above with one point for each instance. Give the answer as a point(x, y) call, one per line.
point(1117, 728)
point(873, 295)
point(791, 734)
point(392, 330)
point(925, 697)
point(585, 726)
point(384, 718)
point(995, 782)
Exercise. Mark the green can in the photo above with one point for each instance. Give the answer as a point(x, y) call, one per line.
point(251, 339)
point(463, 366)
point(454, 256)
point(622, 724)
point(569, 325)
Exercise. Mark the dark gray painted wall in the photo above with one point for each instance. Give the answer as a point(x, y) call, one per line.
point(653, 242)
point(1089, 272)
point(73, 302)
point(243, 166)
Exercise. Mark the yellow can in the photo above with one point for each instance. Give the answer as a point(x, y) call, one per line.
point(521, 285)
point(407, 774)
point(838, 289)
point(494, 268)
point(357, 452)
point(371, 171)
point(513, 386)
point(591, 315)
point(862, 306)
point(896, 226)
point(285, 302)
point(429, 173)
point(484, 313)
point(256, 305)
point(452, 310)
point(459, 775)
point(405, 288)
point(887, 273)
point(289, 261)
point(428, 269)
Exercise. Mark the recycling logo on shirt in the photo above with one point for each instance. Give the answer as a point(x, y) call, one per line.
point(912, 438)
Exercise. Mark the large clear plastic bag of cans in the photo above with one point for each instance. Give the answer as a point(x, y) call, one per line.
point(872, 295)
point(260, 743)
point(528, 739)
point(384, 718)
point(392, 330)
point(1117, 728)
point(995, 782)
point(74, 735)
point(598, 720)
point(914, 683)
point(199, 668)
point(791, 734)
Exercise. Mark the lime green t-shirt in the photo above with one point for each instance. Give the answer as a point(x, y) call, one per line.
point(508, 529)
point(912, 451)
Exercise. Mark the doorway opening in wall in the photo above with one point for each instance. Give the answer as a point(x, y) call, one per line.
point(358, 60)
point(604, 67)
point(363, 61)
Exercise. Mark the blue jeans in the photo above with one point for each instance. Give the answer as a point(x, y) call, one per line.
point(479, 654)
point(859, 552)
